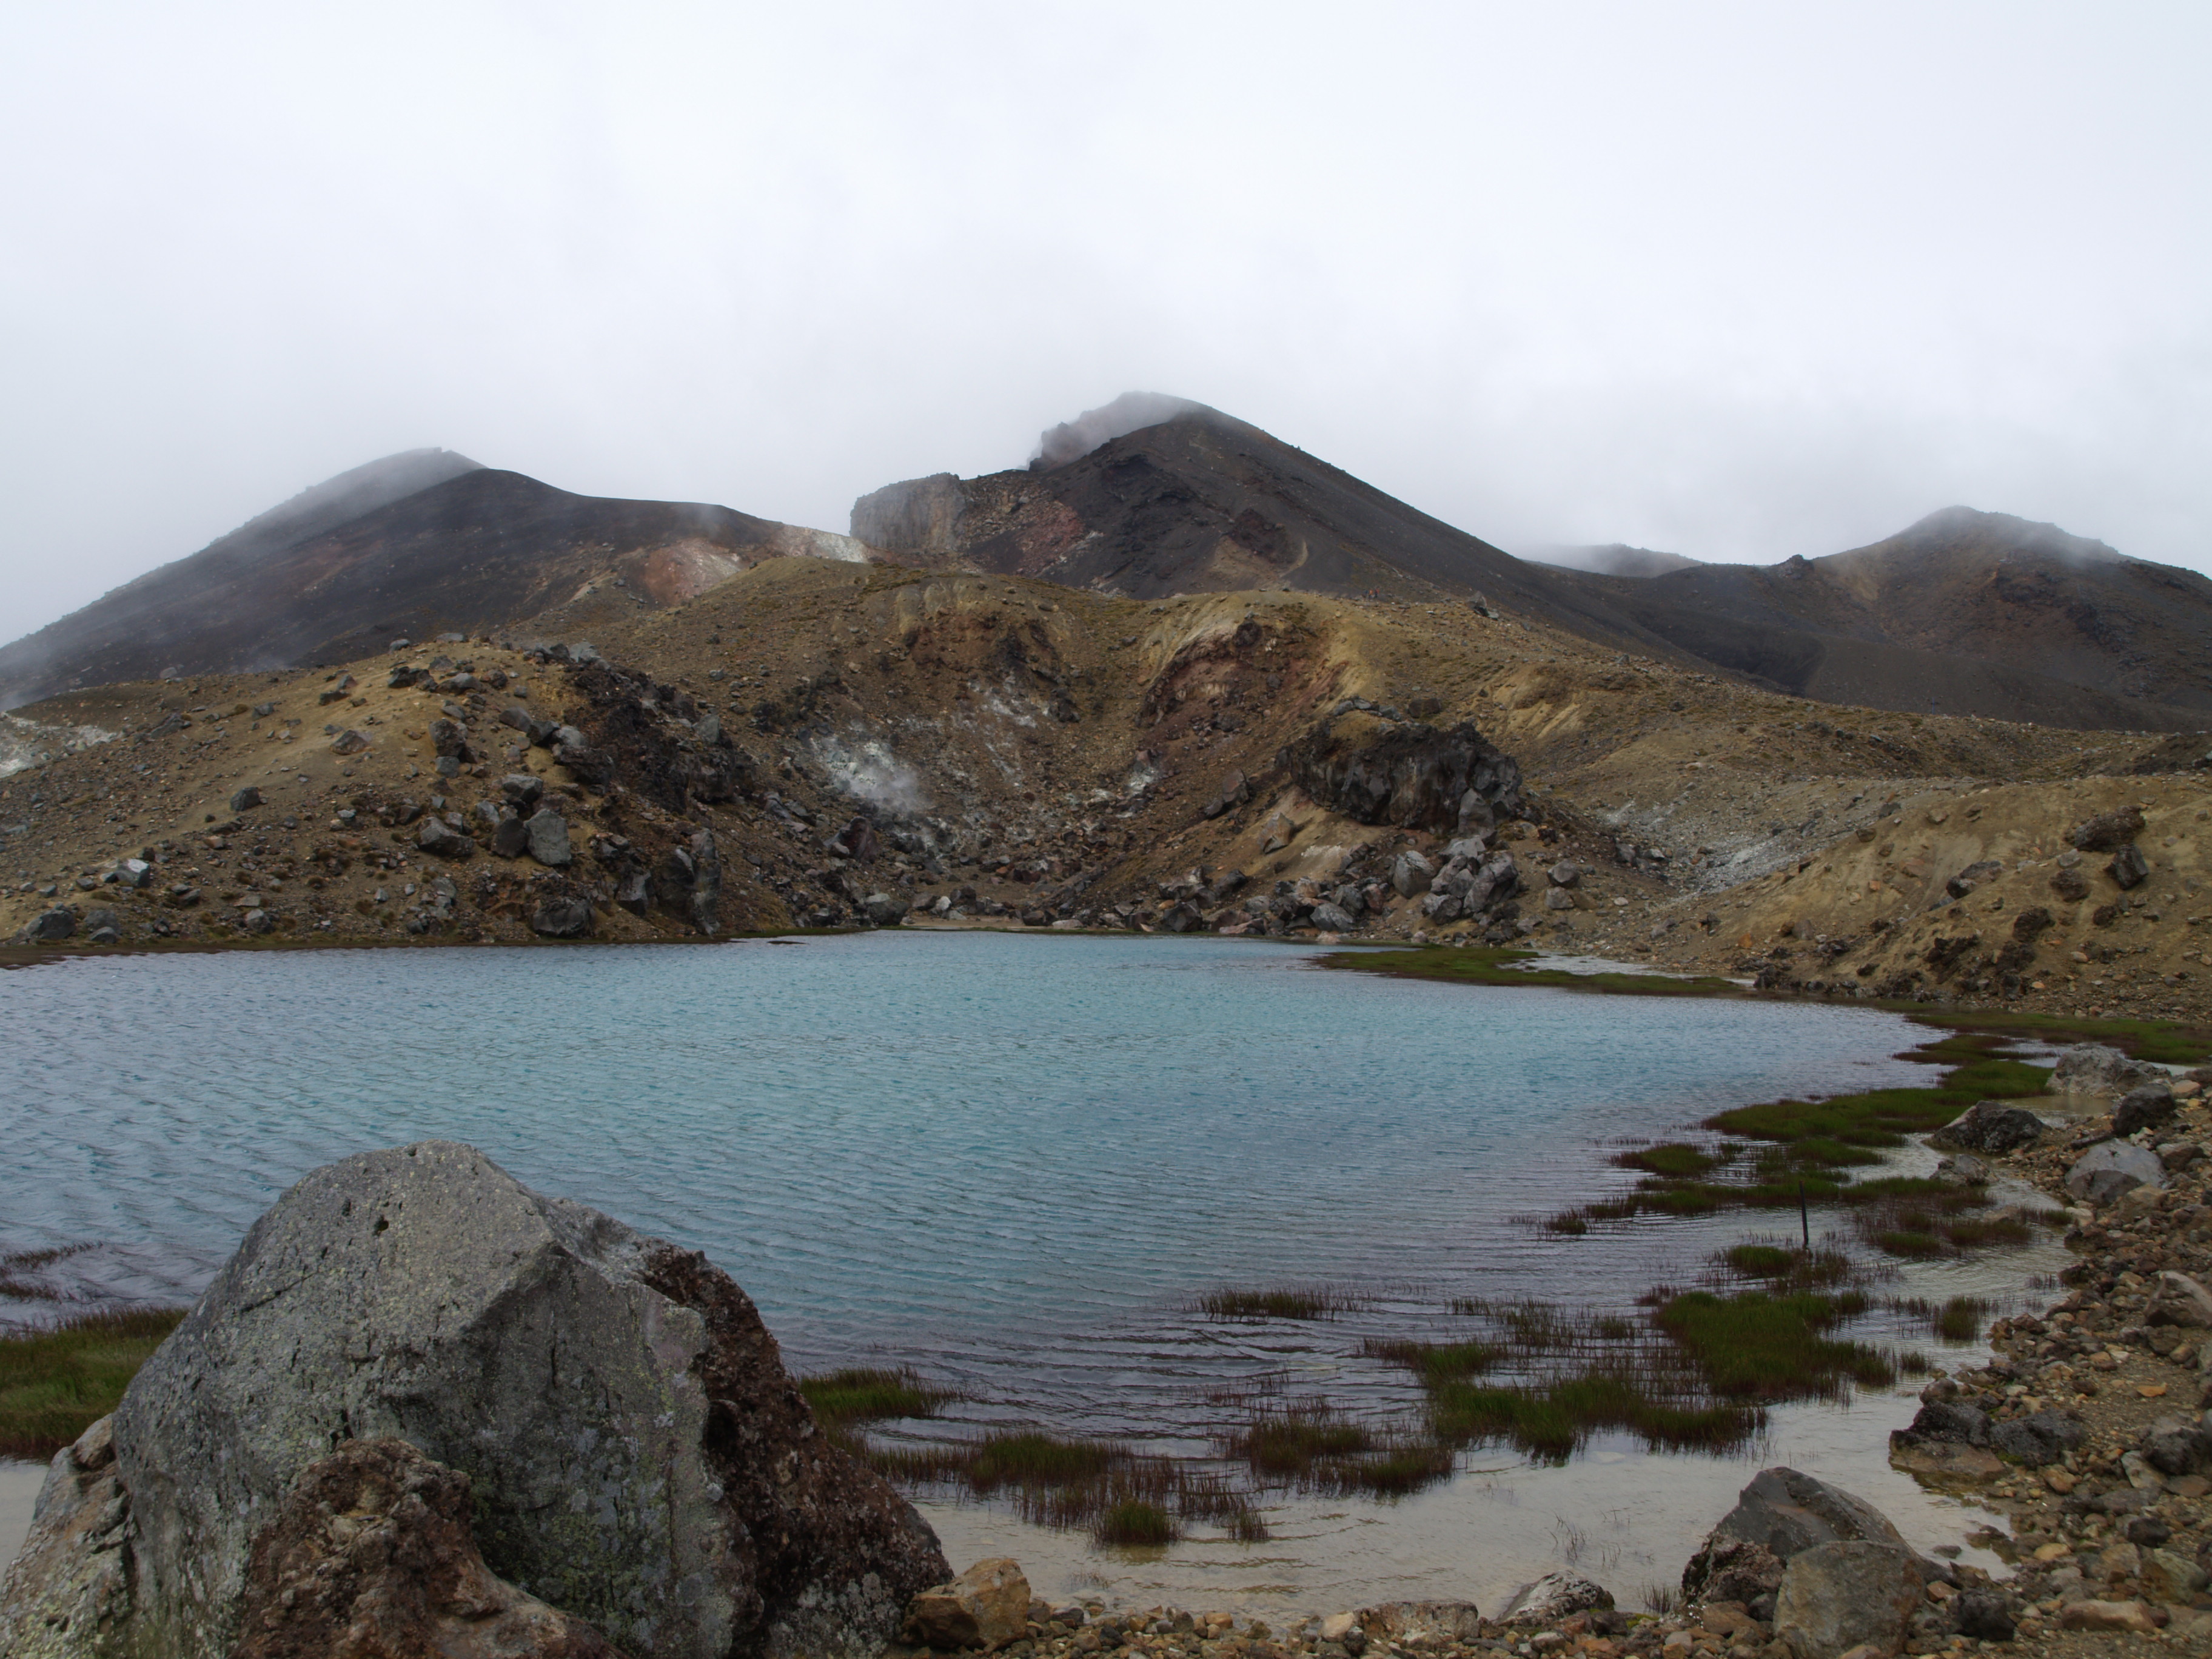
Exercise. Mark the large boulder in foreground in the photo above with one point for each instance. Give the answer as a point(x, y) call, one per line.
point(639, 1460)
point(1780, 1515)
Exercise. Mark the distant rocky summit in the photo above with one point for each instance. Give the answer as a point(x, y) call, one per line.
point(542, 1421)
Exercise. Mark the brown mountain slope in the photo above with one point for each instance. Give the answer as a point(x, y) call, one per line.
point(345, 569)
point(1965, 613)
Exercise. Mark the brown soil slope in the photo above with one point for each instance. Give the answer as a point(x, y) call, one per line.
point(476, 550)
point(855, 740)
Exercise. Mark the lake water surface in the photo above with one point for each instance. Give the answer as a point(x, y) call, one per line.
point(1014, 1161)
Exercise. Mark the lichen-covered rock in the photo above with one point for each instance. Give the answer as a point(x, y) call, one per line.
point(639, 1457)
point(1835, 1597)
point(985, 1607)
point(67, 1594)
point(1781, 1513)
point(2092, 1068)
point(1555, 1597)
point(370, 1555)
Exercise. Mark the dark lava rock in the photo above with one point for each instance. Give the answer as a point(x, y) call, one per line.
point(2128, 867)
point(1419, 777)
point(511, 838)
point(563, 917)
point(1948, 1420)
point(2144, 1106)
point(2036, 1440)
point(370, 1554)
point(55, 923)
point(246, 799)
point(441, 840)
point(1990, 1126)
point(2108, 831)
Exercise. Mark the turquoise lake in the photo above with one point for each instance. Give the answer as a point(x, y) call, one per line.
point(1014, 1161)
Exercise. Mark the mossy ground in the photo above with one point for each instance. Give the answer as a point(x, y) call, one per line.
point(58, 1380)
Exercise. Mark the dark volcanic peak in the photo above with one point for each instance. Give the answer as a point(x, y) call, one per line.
point(1964, 613)
point(337, 501)
point(478, 548)
point(1613, 559)
point(1132, 411)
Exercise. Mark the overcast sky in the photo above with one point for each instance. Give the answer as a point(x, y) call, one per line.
point(1739, 282)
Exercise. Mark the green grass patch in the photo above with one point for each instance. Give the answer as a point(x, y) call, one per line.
point(843, 1398)
point(1027, 1458)
point(2162, 1040)
point(56, 1380)
point(1474, 965)
point(1759, 1345)
point(1760, 1260)
point(1438, 1361)
point(1676, 1160)
point(1551, 1421)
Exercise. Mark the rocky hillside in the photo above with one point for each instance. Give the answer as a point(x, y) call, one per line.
point(816, 743)
point(413, 547)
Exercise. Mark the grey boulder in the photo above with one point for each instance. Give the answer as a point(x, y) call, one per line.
point(2177, 1299)
point(1781, 1514)
point(246, 799)
point(549, 838)
point(2092, 1068)
point(2146, 1106)
point(1837, 1596)
point(54, 924)
point(440, 840)
point(1410, 873)
point(2111, 1168)
point(1331, 918)
point(638, 1455)
point(563, 917)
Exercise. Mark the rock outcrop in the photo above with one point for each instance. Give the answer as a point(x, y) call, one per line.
point(640, 1459)
point(1376, 769)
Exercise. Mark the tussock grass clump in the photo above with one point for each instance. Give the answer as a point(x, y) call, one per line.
point(1675, 1159)
point(1759, 1345)
point(22, 1261)
point(1311, 1446)
point(56, 1380)
point(1551, 1421)
point(1436, 1362)
point(1134, 1522)
point(1760, 1260)
point(1956, 1320)
point(1280, 1302)
point(865, 1395)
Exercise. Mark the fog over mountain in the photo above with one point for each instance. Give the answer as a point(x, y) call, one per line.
point(1749, 285)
